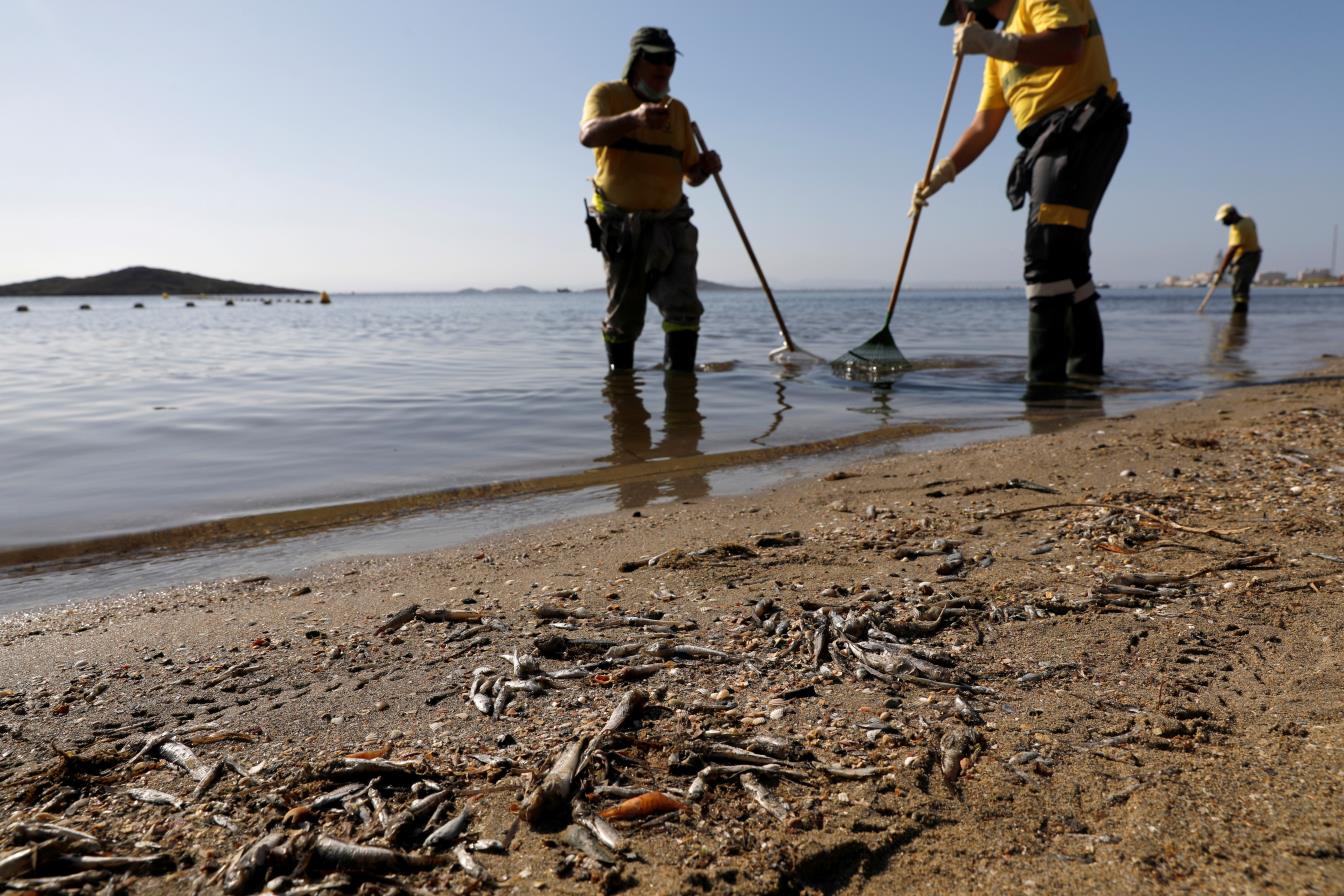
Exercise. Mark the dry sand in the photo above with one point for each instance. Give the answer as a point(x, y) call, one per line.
point(1035, 719)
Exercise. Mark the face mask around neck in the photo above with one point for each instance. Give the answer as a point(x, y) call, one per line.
point(648, 93)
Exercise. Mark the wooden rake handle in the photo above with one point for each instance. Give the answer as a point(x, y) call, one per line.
point(928, 173)
point(741, 231)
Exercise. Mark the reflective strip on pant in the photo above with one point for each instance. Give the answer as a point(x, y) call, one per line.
point(1063, 215)
point(1049, 290)
point(1087, 291)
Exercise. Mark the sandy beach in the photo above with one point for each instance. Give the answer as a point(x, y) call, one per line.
point(1103, 659)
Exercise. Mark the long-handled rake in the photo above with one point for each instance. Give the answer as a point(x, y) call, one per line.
point(1208, 295)
point(789, 352)
point(879, 358)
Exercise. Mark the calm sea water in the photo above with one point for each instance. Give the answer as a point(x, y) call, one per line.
point(418, 420)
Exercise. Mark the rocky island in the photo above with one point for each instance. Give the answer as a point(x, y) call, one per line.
point(140, 281)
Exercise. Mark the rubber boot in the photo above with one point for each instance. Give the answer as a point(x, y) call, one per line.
point(1047, 348)
point(1240, 305)
point(679, 350)
point(620, 356)
point(1086, 344)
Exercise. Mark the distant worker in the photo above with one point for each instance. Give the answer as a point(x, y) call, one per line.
point(644, 148)
point(1049, 67)
point(1243, 254)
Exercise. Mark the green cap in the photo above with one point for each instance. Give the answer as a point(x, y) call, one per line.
point(952, 14)
point(647, 40)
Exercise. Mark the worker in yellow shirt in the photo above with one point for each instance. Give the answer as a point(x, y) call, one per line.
point(1048, 66)
point(640, 221)
point(1243, 254)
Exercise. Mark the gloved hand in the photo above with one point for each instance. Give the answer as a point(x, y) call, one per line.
point(972, 38)
point(943, 174)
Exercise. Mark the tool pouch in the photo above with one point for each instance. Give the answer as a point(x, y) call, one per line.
point(594, 229)
point(1059, 130)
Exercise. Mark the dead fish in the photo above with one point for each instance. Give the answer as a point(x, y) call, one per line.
point(41, 830)
point(559, 646)
point(209, 779)
point(154, 797)
point(633, 701)
point(431, 615)
point(400, 826)
point(473, 868)
point(548, 612)
point(637, 673)
point(767, 800)
point(247, 869)
point(729, 753)
point(224, 822)
point(116, 863)
point(775, 747)
point(180, 754)
point(449, 833)
point(365, 769)
point(603, 830)
point(642, 806)
point(586, 842)
point(344, 856)
point(336, 797)
point(966, 712)
point(954, 747)
point(668, 650)
point(525, 665)
point(552, 796)
point(27, 860)
point(397, 620)
point(852, 774)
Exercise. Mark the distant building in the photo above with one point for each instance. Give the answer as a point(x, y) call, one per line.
point(1311, 275)
point(1272, 278)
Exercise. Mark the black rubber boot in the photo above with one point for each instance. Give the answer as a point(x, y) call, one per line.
point(1240, 306)
point(1086, 344)
point(1047, 348)
point(620, 356)
point(679, 350)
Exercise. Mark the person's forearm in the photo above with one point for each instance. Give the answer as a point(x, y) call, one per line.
point(606, 131)
point(976, 138)
point(697, 175)
point(1058, 46)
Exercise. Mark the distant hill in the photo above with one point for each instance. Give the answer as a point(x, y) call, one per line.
point(140, 281)
point(473, 291)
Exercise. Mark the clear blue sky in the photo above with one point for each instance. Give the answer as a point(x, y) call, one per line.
point(433, 145)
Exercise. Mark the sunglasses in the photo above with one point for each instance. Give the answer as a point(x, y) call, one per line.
point(661, 58)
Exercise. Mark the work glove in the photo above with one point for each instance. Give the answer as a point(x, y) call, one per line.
point(943, 174)
point(971, 38)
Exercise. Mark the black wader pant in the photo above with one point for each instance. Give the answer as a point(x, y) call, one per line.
point(1067, 165)
point(649, 256)
point(1244, 267)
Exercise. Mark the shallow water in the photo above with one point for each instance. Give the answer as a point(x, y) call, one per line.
point(194, 436)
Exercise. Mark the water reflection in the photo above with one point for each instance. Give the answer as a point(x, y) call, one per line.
point(1225, 350)
point(632, 438)
point(1051, 415)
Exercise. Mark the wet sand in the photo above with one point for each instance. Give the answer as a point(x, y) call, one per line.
point(1104, 659)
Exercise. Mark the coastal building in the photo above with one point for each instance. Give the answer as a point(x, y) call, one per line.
point(1271, 278)
point(1314, 275)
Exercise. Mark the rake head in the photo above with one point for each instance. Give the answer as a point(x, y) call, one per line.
point(876, 361)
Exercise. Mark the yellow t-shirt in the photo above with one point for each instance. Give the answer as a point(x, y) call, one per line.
point(1031, 92)
point(1242, 236)
point(643, 170)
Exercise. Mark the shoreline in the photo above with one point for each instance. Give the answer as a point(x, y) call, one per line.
point(1054, 721)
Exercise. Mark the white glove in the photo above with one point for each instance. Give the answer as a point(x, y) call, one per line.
point(972, 38)
point(943, 174)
